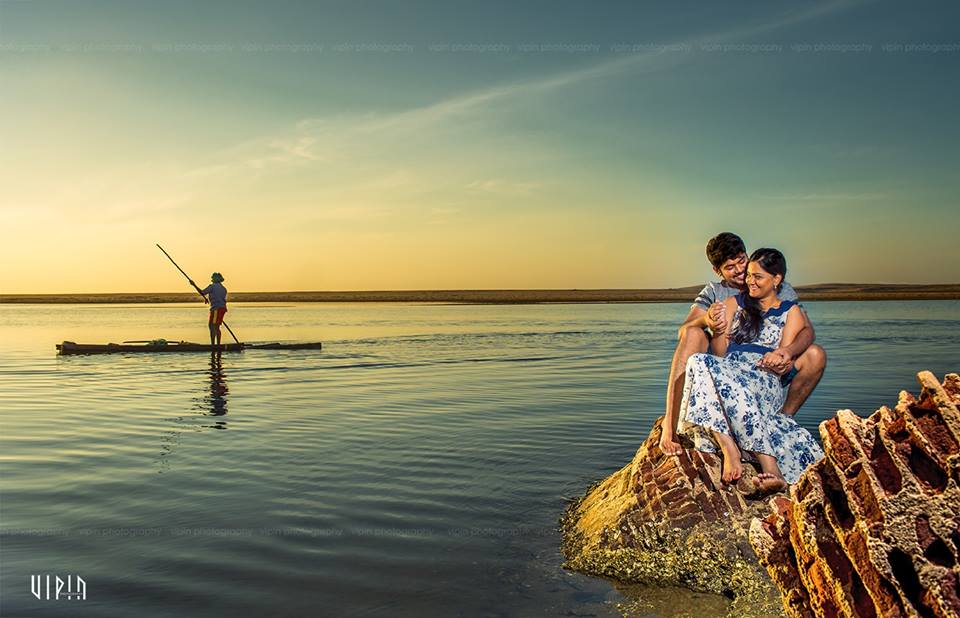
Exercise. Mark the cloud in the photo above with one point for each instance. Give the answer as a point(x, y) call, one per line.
point(503, 186)
point(115, 195)
point(827, 197)
point(328, 138)
point(350, 212)
point(366, 156)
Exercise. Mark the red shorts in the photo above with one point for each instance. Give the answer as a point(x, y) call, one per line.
point(216, 316)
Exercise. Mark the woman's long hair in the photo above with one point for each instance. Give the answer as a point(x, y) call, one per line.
point(751, 317)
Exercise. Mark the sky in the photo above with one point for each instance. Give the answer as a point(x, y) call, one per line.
point(388, 145)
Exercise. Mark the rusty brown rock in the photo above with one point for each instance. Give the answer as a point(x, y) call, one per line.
point(873, 528)
point(672, 521)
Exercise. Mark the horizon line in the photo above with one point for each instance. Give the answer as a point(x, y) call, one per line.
point(481, 289)
point(831, 291)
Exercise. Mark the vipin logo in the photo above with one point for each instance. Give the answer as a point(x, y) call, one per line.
point(76, 588)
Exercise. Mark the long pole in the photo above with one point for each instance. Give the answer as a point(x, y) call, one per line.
point(200, 292)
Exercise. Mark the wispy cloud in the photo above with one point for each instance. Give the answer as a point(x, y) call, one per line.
point(503, 186)
point(133, 192)
point(322, 139)
point(351, 212)
point(826, 197)
point(362, 154)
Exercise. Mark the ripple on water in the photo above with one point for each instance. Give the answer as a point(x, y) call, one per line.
point(417, 465)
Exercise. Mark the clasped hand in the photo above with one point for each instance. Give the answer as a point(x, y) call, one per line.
point(717, 318)
point(779, 361)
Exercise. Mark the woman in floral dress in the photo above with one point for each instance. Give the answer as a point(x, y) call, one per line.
point(732, 401)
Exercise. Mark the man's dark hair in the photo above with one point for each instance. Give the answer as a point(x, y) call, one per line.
point(724, 246)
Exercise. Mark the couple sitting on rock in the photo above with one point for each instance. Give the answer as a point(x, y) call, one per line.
point(727, 386)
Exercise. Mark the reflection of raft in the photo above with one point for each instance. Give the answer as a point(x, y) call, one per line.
point(69, 347)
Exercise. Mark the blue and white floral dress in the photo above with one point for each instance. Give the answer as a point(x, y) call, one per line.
point(731, 395)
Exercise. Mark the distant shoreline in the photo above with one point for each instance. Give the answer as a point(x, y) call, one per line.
point(830, 291)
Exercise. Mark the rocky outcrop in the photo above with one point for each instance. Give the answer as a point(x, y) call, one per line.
point(671, 521)
point(873, 529)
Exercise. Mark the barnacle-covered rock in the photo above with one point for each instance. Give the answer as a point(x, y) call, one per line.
point(671, 521)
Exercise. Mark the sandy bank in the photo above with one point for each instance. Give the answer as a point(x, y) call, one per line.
point(831, 291)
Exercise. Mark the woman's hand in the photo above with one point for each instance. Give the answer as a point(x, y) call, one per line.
point(779, 361)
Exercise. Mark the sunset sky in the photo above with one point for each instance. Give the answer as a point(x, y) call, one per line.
point(364, 145)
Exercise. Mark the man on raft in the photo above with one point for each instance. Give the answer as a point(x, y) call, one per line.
point(217, 296)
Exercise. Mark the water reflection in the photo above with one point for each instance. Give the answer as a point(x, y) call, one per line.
point(212, 404)
point(218, 389)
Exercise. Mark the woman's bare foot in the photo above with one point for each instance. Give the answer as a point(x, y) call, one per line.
point(767, 483)
point(732, 468)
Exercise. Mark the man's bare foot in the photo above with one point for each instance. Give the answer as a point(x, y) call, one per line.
point(732, 468)
point(669, 445)
point(767, 483)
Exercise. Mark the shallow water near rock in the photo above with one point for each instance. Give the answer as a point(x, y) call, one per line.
point(416, 466)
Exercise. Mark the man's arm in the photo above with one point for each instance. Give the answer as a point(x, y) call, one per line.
point(699, 317)
point(719, 341)
point(204, 292)
point(695, 318)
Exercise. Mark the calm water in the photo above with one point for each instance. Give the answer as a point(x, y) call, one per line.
point(415, 466)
